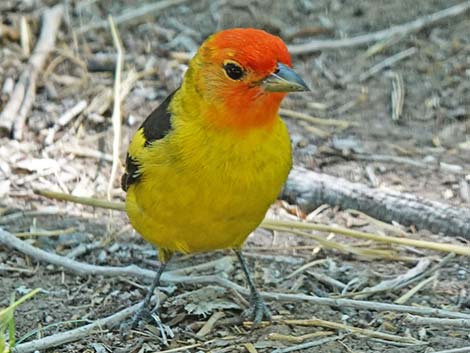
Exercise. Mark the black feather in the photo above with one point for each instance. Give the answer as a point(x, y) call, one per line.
point(155, 127)
point(158, 123)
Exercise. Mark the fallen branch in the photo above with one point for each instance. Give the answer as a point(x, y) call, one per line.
point(77, 333)
point(418, 278)
point(390, 284)
point(133, 14)
point(456, 350)
point(309, 190)
point(288, 225)
point(311, 344)
point(398, 30)
point(295, 226)
point(65, 119)
point(387, 63)
point(409, 294)
point(381, 158)
point(9, 240)
point(116, 118)
point(13, 117)
point(77, 267)
point(398, 95)
point(439, 322)
point(354, 330)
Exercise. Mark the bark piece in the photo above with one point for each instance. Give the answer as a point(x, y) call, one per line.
point(309, 190)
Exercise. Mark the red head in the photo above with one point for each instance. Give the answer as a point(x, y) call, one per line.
point(242, 74)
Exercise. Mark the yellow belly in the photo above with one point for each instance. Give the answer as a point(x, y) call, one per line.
point(208, 192)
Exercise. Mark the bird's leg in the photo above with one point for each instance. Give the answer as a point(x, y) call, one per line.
point(259, 309)
point(143, 310)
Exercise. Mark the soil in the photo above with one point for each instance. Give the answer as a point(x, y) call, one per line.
point(434, 129)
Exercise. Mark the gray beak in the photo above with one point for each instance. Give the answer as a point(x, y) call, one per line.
point(284, 80)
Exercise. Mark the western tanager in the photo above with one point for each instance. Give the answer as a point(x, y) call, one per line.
point(204, 167)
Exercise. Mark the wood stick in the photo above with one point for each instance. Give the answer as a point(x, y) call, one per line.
point(456, 350)
point(116, 118)
point(441, 166)
point(119, 206)
point(353, 330)
point(210, 323)
point(387, 63)
point(310, 344)
point(133, 14)
point(398, 30)
point(407, 296)
point(439, 322)
point(390, 284)
point(309, 190)
point(77, 333)
point(293, 227)
point(13, 117)
point(64, 119)
point(314, 120)
point(364, 304)
point(287, 225)
point(84, 269)
point(398, 95)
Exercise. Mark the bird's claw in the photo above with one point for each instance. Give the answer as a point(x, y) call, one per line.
point(142, 315)
point(165, 330)
point(259, 311)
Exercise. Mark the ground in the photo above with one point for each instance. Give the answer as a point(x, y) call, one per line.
point(433, 131)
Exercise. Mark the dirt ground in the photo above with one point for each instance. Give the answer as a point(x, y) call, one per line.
point(433, 130)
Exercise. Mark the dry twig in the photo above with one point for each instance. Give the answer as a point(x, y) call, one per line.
point(387, 63)
point(85, 269)
point(445, 167)
point(210, 323)
point(353, 330)
point(13, 116)
point(439, 322)
point(64, 119)
point(390, 284)
point(285, 225)
point(149, 9)
point(405, 297)
point(343, 124)
point(306, 345)
point(456, 350)
point(298, 339)
point(116, 118)
point(76, 334)
point(288, 225)
point(397, 95)
point(401, 30)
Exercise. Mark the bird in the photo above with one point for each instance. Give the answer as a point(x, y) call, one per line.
point(207, 163)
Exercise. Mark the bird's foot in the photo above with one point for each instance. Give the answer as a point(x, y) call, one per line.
point(259, 311)
point(142, 315)
point(165, 330)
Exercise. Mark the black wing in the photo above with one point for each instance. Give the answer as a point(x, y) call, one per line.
point(155, 127)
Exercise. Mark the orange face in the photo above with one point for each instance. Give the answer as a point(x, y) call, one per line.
point(232, 68)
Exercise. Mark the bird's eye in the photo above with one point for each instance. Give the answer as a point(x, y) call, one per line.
point(234, 71)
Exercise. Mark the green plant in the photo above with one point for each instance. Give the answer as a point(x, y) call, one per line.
point(7, 322)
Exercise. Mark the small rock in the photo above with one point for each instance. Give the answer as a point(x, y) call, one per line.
point(448, 194)
point(461, 274)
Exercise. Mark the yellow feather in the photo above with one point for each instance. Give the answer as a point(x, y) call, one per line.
point(206, 189)
point(203, 186)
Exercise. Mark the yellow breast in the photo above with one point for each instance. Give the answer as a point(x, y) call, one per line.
point(203, 190)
